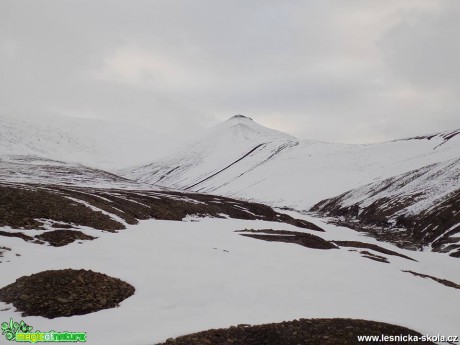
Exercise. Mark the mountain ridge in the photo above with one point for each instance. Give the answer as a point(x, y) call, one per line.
point(97, 143)
point(223, 155)
point(395, 185)
point(242, 159)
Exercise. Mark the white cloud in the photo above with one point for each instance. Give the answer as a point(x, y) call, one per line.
point(333, 70)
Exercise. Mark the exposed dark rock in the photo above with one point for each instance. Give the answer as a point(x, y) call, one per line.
point(446, 136)
point(16, 234)
point(369, 255)
point(439, 280)
point(61, 225)
point(28, 206)
point(23, 206)
point(374, 247)
point(303, 239)
point(59, 238)
point(303, 331)
point(65, 292)
point(388, 218)
point(4, 249)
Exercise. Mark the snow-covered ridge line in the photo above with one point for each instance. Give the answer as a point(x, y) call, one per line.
point(446, 135)
point(287, 172)
point(34, 169)
point(241, 159)
point(96, 143)
point(422, 206)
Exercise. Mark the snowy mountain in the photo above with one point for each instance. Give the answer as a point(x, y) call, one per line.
point(189, 256)
point(242, 159)
point(97, 143)
point(202, 163)
point(415, 209)
point(44, 171)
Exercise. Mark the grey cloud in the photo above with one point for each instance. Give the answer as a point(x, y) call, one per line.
point(343, 71)
point(424, 47)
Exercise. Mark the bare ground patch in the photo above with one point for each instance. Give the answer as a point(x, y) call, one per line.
point(303, 239)
point(16, 234)
point(297, 332)
point(33, 206)
point(65, 292)
point(438, 280)
point(374, 247)
point(59, 238)
point(369, 255)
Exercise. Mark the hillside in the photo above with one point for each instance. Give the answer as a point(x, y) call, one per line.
point(180, 258)
point(33, 169)
point(97, 143)
point(415, 209)
point(242, 159)
point(397, 187)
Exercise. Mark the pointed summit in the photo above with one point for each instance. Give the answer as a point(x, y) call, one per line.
point(240, 127)
point(240, 117)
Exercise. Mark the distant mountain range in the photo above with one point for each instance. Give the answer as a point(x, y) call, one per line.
point(404, 191)
point(98, 143)
point(408, 187)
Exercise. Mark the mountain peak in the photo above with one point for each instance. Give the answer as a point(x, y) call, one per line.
point(240, 117)
point(243, 127)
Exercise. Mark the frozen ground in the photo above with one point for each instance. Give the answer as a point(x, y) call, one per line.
point(198, 274)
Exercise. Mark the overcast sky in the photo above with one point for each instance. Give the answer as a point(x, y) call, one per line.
point(342, 71)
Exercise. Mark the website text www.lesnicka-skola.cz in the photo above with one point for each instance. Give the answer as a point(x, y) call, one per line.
point(452, 339)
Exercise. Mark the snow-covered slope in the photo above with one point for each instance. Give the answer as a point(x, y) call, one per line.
point(187, 272)
point(414, 178)
point(202, 163)
point(243, 159)
point(97, 143)
point(199, 274)
point(418, 208)
point(36, 170)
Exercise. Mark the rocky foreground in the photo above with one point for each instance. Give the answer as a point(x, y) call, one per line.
point(68, 292)
point(297, 332)
point(62, 210)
